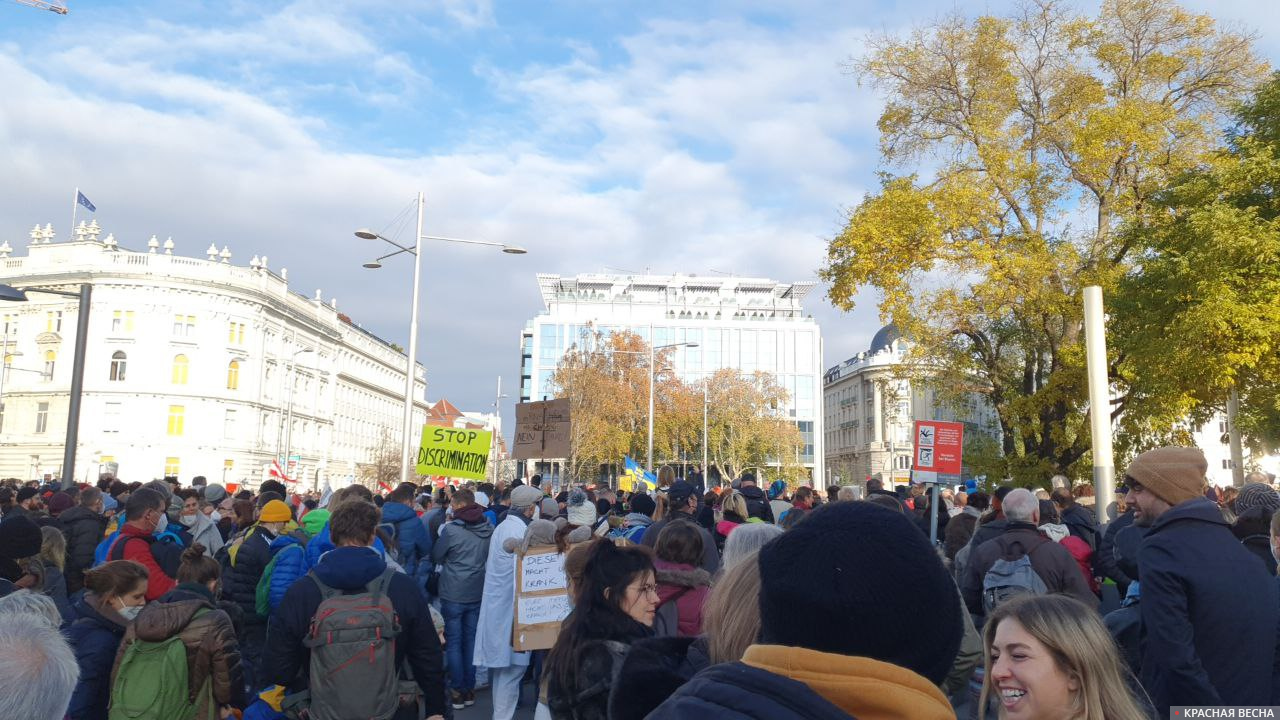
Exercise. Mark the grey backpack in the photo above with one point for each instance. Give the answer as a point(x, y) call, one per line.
point(1011, 576)
point(352, 639)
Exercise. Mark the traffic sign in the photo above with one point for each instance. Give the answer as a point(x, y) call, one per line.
point(939, 450)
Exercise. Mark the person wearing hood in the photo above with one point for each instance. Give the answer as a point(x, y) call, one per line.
point(846, 560)
point(198, 524)
point(315, 518)
point(682, 585)
point(190, 612)
point(84, 526)
point(410, 535)
point(1079, 521)
point(115, 593)
point(636, 522)
point(1209, 609)
point(497, 606)
point(757, 503)
point(349, 568)
point(461, 551)
point(1052, 527)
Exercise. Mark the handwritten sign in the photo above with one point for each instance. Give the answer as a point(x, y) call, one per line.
point(454, 452)
point(542, 430)
point(939, 450)
point(542, 599)
point(542, 572)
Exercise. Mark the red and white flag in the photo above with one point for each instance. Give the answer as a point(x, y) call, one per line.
point(277, 472)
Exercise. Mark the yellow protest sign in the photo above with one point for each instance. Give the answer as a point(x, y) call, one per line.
point(454, 452)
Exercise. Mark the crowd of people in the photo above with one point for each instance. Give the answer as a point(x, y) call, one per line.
point(158, 601)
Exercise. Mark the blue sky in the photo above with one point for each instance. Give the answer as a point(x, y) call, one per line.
point(676, 136)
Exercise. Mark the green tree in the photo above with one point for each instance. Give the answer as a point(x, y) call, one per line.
point(1201, 313)
point(1029, 140)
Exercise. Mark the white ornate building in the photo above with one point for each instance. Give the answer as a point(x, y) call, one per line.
point(870, 414)
point(747, 324)
point(188, 368)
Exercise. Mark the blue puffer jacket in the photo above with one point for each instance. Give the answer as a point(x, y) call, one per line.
point(1209, 612)
point(411, 536)
point(736, 691)
point(321, 544)
point(291, 563)
point(95, 636)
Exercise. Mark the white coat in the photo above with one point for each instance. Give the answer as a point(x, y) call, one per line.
point(498, 606)
point(206, 533)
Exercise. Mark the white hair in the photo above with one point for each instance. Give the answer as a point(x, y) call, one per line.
point(747, 539)
point(845, 493)
point(1020, 506)
point(38, 670)
point(25, 601)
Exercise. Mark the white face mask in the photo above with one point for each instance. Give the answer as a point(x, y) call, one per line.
point(215, 517)
point(187, 520)
point(129, 612)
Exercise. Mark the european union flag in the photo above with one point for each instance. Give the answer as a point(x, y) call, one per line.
point(80, 198)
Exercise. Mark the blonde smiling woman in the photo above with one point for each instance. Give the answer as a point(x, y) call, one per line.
point(1049, 657)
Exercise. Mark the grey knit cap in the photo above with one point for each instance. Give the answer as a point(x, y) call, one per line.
point(1257, 495)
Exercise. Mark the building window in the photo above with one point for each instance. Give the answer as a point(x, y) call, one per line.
point(42, 417)
point(229, 424)
point(1, 417)
point(11, 324)
point(176, 415)
point(111, 418)
point(180, 366)
point(172, 466)
point(122, 321)
point(233, 375)
point(118, 361)
point(53, 321)
point(235, 333)
point(184, 325)
point(50, 357)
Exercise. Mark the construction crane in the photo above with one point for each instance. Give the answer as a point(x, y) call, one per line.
point(42, 5)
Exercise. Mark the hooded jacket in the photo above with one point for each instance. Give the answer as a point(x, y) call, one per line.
point(210, 640)
point(1082, 524)
point(95, 637)
point(321, 544)
point(286, 661)
point(1078, 548)
point(462, 551)
point(411, 536)
point(203, 531)
point(1051, 561)
point(83, 529)
point(757, 504)
point(687, 587)
point(710, 556)
point(1209, 611)
point(241, 586)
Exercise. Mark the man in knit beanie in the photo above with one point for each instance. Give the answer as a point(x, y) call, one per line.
point(858, 618)
point(1209, 609)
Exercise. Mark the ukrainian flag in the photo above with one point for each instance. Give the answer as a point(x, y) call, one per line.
point(635, 478)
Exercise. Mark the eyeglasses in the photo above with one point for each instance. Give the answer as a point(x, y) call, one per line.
point(649, 589)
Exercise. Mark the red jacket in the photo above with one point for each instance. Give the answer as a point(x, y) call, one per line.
point(688, 588)
point(158, 583)
point(1083, 555)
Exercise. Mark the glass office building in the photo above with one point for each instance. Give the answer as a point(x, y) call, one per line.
point(747, 324)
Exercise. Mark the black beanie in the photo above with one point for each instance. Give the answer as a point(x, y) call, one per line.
point(643, 504)
point(19, 538)
point(861, 580)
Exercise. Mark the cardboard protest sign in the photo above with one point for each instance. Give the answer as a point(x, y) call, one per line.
point(542, 598)
point(542, 430)
point(454, 452)
point(939, 450)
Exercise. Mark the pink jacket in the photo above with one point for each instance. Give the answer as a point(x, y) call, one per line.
point(686, 586)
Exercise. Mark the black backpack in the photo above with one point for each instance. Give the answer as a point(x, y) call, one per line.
point(166, 551)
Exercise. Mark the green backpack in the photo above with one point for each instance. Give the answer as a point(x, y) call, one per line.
point(152, 683)
point(262, 596)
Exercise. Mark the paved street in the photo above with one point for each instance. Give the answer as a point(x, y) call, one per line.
point(483, 708)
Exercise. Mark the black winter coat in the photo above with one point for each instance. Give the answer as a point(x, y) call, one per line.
point(241, 586)
point(758, 504)
point(598, 665)
point(1253, 530)
point(1105, 561)
point(95, 636)
point(83, 529)
point(1209, 612)
point(1081, 523)
point(654, 669)
point(736, 691)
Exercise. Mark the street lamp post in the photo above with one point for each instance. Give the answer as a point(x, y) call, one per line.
point(85, 294)
point(288, 422)
point(652, 371)
point(407, 443)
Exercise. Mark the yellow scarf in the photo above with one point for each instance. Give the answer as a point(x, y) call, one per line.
point(867, 689)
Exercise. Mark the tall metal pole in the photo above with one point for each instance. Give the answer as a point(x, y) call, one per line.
point(705, 384)
point(292, 379)
point(1233, 437)
point(1095, 339)
point(407, 454)
point(77, 385)
point(649, 464)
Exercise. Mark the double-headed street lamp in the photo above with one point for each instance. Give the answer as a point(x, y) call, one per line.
point(406, 450)
point(13, 294)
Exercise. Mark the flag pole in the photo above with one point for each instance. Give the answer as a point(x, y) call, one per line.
point(75, 200)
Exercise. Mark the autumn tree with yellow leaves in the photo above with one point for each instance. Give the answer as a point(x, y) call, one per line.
point(1017, 149)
